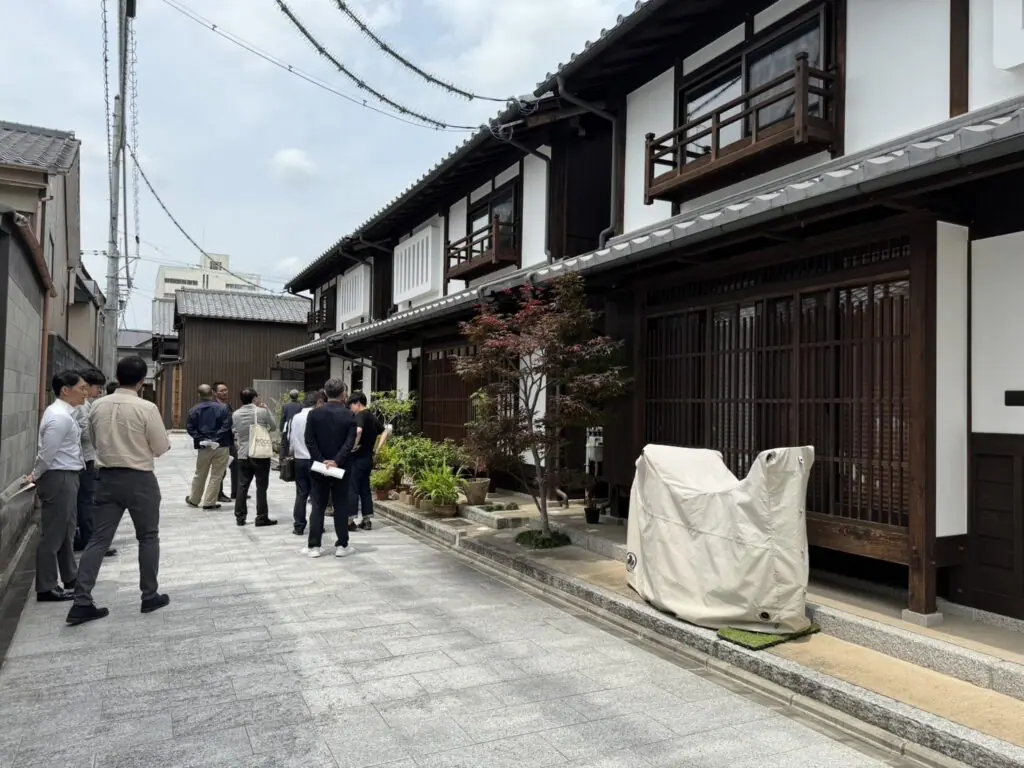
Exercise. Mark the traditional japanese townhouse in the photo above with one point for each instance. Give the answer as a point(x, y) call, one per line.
point(819, 245)
point(822, 246)
point(533, 188)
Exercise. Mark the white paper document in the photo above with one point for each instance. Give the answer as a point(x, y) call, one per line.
point(323, 469)
point(12, 490)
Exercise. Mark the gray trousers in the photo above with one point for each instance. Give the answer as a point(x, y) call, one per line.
point(119, 490)
point(58, 496)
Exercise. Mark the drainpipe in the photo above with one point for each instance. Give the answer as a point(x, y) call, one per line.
point(618, 126)
point(547, 213)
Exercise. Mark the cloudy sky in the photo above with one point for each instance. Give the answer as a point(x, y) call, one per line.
point(251, 160)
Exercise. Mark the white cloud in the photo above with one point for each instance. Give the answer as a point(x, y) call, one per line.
point(293, 164)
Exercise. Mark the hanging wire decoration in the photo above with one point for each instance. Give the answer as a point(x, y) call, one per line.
point(292, 70)
point(359, 82)
point(346, 9)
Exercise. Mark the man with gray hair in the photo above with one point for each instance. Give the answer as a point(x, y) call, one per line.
point(330, 437)
point(209, 426)
point(289, 410)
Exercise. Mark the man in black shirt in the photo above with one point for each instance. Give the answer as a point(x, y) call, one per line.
point(368, 429)
point(330, 438)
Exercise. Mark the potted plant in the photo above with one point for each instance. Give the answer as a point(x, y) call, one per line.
point(477, 451)
point(382, 481)
point(439, 489)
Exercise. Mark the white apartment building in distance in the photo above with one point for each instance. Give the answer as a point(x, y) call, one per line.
point(211, 274)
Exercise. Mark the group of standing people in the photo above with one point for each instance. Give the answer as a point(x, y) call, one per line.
point(327, 430)
point(95, 460)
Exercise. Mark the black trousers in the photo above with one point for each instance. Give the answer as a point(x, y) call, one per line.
point(233, 472)
point(86, 501)
point(302, 490)
point(249, 470)
point(336, 491)
point(359, 486)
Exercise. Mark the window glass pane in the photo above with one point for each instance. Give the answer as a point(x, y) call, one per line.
point(700, 102)
point(779, 60)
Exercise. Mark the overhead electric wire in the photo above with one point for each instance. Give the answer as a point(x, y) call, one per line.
point(281, 64)
point(346, 9)
point(174, 221)
point(360, 83)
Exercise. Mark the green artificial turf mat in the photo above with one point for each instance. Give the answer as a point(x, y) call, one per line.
point(758, 641)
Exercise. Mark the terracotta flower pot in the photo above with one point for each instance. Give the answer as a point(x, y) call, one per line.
point(476, 491)
point(382, 494)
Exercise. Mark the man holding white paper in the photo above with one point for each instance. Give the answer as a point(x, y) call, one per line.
point(330, 437)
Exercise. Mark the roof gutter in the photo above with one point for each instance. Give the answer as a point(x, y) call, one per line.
point(618, 169)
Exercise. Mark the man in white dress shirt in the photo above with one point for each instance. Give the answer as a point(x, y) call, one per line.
point(295, 432)
point(56, 473)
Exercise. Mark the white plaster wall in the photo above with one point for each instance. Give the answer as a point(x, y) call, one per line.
point(952, 428)
point(338, 369)
point(649, 109)
point(402, 372)
point(989, 83)
point(897, 78)
point(507, 175)
point(997, 344)
point(535, 208)
point(458, 228)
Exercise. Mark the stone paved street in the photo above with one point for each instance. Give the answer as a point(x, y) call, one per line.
point(400, 655)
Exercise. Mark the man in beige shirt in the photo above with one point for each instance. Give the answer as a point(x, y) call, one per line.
point(128, 434)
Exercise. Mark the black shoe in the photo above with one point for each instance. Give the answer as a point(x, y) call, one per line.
point(79, 614)
point(110, 552)
point(55, 595)
point(265, 522)
point(366, 525)
point(299, 531)
point(224, 499)
point(211, 506)
point(352, 525)
point(69, 586)
point(191, 503)
point(153, 603)
point(240, 521)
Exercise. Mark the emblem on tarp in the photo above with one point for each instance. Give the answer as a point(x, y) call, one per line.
point(630, 561)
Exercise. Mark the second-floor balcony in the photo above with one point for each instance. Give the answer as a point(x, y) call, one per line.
point(319, 321)
point(488, 249)
point(782, 120)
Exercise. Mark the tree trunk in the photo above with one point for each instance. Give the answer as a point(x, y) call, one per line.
point(542, 497)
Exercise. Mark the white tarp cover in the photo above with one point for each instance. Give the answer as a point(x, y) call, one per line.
point(716, 551)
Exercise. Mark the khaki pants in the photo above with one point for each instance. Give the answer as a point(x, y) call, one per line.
point(211, 464)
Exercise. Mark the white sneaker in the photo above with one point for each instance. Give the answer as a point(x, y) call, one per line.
point(343, 551)
point(310, 551)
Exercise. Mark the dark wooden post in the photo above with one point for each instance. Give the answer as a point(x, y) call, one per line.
point(801, 83)
point(921, 512)
point(648, 167)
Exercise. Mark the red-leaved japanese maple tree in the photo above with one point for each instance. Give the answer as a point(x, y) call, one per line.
point(541, 369)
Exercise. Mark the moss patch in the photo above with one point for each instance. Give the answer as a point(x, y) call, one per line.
point(758, 641)
point(541, 540)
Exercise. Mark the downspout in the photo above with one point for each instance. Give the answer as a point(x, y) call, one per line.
point(618, 127)
point(547, 213)
point(44, 359)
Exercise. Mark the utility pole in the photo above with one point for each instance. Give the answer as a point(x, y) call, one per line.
point(112, 309)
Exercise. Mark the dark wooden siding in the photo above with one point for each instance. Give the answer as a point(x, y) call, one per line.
point(444, 397)
point(815, 351)
point(231, 351)
point(996, 544)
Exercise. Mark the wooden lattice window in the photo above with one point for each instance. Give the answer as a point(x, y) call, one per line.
point(826, 367)
point(444, 399)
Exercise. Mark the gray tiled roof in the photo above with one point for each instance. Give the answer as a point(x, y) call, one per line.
point(43, 149)
point(163, 317)
point(985, 134)
point(242, 305)
point(132, 338)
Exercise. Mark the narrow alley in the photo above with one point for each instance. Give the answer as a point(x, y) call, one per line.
point(400, 656)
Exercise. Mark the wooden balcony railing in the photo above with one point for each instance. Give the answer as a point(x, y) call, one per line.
point(318, 321)
point(675, 172)
point(487, 250)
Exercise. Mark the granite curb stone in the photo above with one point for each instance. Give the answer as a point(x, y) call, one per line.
point(921, 730)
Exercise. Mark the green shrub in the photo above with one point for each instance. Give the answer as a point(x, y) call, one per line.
point(439, 484)
point(382, 479)
point(541, 540)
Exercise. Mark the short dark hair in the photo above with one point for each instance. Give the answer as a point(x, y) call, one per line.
point(335, 388)
point(309, 398)
point(218, 384)
point(64, 379)
point(131, 371)
point(357, 397)
point(111, 387)
point(94, 378)
point(247, 395)
point(321, 396)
